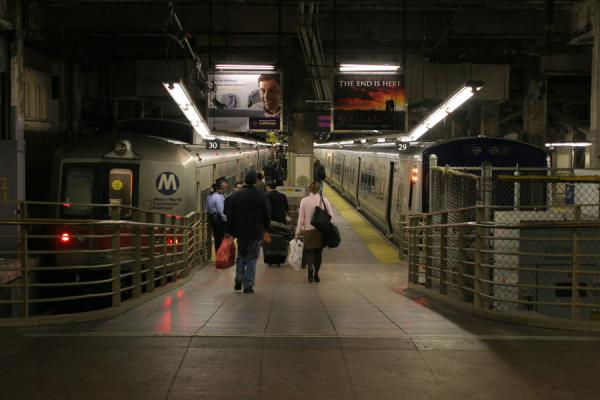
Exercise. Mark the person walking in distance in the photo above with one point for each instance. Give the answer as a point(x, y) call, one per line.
point(248, 216)
point(313, 239)
point(260, 184)
point(319, 173)
point(215, 208)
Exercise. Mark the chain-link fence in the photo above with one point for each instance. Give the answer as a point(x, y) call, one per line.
point(522, 244)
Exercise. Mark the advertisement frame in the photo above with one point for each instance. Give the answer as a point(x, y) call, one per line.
point(252, 117)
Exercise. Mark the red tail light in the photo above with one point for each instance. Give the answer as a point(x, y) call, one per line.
point(65, 238)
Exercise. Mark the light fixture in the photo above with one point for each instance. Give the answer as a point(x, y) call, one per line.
point(380, 140)
point(245, 67)
point(569, 144)
point(363, 140)
point(181, 96)
point(447, 107)
point(368, 68)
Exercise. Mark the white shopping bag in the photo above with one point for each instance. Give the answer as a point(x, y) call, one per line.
point(295, 254)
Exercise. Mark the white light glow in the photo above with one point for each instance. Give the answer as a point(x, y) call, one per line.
point(447, 107)
point(380, 140)
point(363, 140)
point(569, 144)
point(181, 96)
point(245, 67)
point(368, 68)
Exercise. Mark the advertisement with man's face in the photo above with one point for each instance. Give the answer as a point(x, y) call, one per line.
point(369, 102)
point(246, 101)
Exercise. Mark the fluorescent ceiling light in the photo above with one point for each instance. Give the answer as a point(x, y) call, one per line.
point(363, 140)
point(569, 144)
point(447, 107)
point(380, 140)
point(368, 67)
point(245, 67)
point(183, 99)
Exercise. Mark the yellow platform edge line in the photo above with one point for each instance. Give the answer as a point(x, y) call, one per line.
point(379, 246)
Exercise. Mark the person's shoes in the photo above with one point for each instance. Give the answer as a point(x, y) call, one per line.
point(238, 285)
point(310, 274)
point(248, 290)
point(317, 279)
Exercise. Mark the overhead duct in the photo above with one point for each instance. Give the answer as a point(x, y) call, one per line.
point(310, 39)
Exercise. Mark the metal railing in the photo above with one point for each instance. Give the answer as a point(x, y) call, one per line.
point(56, 266)
point(545, 273)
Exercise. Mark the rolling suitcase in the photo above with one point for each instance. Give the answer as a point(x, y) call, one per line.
point(276, 252)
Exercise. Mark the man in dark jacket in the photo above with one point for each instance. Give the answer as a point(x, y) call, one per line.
point(278, 203)
point(248, 216)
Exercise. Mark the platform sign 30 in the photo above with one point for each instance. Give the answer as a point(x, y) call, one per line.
point(214, 144)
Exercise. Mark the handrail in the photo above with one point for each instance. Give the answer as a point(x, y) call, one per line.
point(103, 263)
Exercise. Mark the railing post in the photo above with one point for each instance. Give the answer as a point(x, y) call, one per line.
point(151, 257)
point(443, 251)
point(576, 260)
point(185, 257)
point(137, 262)
point(116, 268)
point(173, 259)
point(461, 256)
point(164, 258)
point(427, 246)
point(479, 232)
point(401, 238)
point(411, 252)
point(24, 258)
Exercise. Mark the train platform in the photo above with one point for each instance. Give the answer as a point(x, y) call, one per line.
point(358, 334)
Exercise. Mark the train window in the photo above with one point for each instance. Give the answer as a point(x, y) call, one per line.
point(120, 190)
point(79, 184)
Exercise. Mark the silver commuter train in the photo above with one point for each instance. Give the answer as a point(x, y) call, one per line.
point(386, 184)
point(148, 172)
point(381, 184)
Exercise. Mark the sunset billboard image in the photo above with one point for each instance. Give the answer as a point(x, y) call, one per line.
point(369, 102)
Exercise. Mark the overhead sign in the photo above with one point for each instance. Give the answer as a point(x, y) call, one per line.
point(214, 144)
point(369, 102)
point(243, 101)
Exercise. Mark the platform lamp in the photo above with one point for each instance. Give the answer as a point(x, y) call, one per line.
point(183, 99)
point(455, 100)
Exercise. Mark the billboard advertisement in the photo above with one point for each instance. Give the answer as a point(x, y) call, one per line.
point(369, 102)
point(248, 101)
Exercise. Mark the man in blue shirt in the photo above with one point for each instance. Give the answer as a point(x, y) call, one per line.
point(215, 208)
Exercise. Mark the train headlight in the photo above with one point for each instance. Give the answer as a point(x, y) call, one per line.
point(414, 175)
point(122, 147)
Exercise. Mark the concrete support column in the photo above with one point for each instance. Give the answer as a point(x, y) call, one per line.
point(490, 119)
point(535, 104)
point(300, 152)
point(12, 147)
point(595, 100)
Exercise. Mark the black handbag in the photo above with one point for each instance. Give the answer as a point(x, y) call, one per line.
point(332, 237)
point(321, 219)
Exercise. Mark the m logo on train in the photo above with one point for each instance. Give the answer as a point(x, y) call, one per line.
point(167, 183)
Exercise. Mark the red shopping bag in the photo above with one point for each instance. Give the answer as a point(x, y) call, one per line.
point(226, 253)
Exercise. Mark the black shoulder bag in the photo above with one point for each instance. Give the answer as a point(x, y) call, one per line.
point(322, 221)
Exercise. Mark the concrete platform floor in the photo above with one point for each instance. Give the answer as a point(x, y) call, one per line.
point(355, 335)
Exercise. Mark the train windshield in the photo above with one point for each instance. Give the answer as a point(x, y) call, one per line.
point(79, 184)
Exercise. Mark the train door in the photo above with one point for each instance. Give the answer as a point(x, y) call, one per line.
point(343, 173)
point(358, 181)
point(120, 190)
point(390, 191)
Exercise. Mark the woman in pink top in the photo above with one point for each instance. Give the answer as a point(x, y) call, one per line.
point(313, 239)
